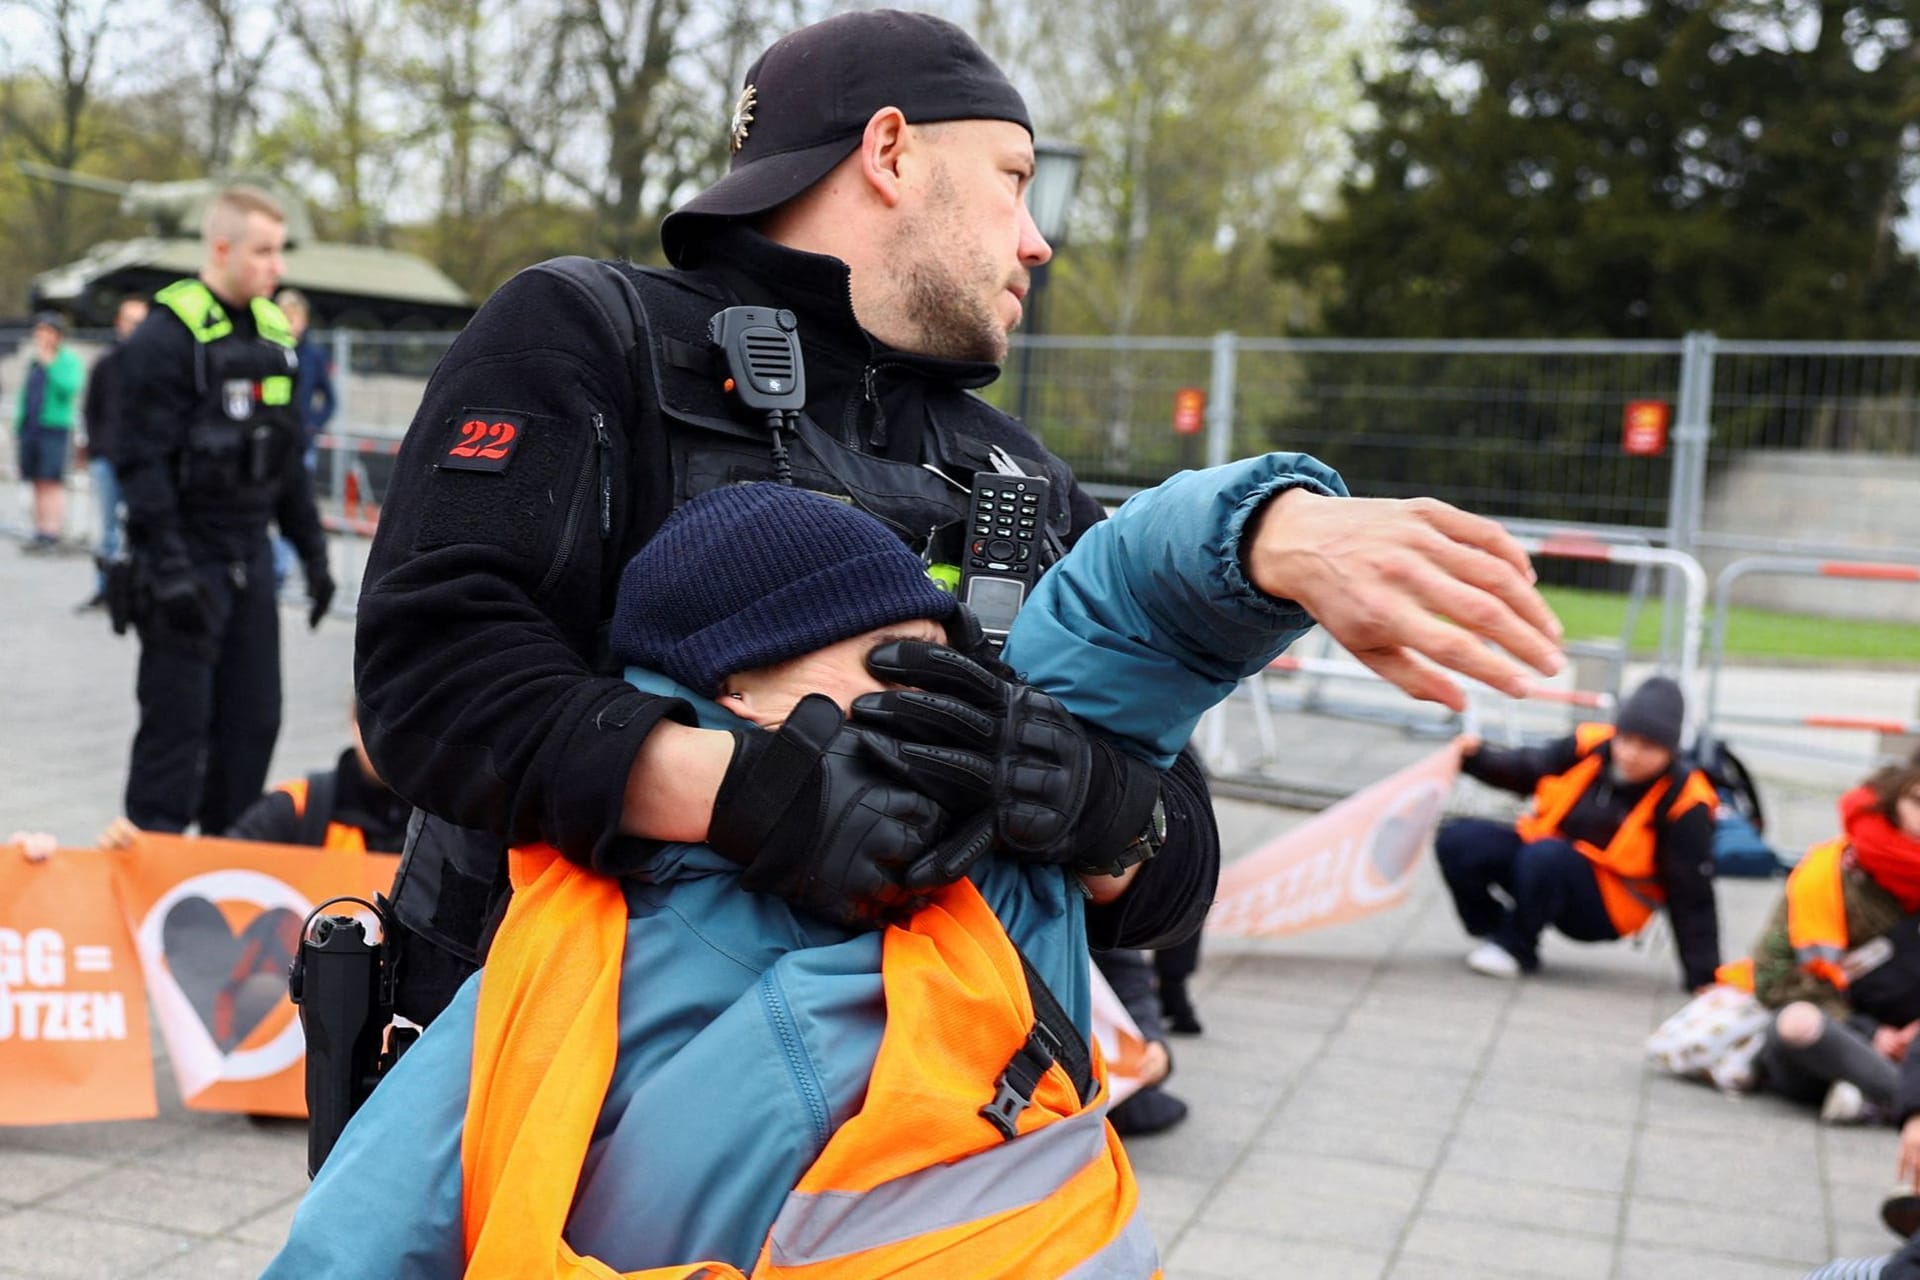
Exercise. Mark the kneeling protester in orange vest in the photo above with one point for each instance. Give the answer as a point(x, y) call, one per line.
point(663, 1075)
point(1620, 827)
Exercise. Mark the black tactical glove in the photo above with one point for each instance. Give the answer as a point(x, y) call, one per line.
point(1057, 792)
point(319, 591)
point(825, 816)
point(183, 602)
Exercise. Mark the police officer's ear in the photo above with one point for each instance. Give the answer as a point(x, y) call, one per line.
point(885, 147)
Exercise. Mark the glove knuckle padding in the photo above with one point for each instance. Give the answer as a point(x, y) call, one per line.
point(936, 668)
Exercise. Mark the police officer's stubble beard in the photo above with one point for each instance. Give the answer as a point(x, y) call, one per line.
point(942, 302)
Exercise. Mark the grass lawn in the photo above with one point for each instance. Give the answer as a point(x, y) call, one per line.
point(1751, 633)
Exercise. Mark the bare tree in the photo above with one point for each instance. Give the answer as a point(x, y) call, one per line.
point(48, 108)
point(237, 41)
point(337, 120)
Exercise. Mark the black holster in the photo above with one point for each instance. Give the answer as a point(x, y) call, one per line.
point(343, 986)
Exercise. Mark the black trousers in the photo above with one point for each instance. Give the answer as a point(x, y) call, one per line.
point(1548, 882)
point(209, 704)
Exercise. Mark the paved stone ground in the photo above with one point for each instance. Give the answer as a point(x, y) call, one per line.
point(1362, 1106)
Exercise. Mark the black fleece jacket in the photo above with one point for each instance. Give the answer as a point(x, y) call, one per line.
point(1683, 845)
point(487, 695)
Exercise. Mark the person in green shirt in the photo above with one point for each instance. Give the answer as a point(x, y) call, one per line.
point(44, 424)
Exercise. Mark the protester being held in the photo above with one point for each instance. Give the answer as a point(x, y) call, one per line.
point(210, 456)
point(104, 411)
point(1149, 1108)
point(753, 1072)
point(43, 425)
point(313, 398)
point(1620, 824)
point(1830, 1043)
point(876, 195)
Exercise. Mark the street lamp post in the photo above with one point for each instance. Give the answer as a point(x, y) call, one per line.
point(1056, 171)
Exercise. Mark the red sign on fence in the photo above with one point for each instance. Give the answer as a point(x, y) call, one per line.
point(1643, 428)
point(1189, 410)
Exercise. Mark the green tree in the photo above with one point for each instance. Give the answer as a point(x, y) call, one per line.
point(1597, 168)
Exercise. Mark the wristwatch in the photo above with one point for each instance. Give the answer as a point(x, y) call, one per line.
point(1137, 850)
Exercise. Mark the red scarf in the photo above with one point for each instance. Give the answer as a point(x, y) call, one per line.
point(1884, 852)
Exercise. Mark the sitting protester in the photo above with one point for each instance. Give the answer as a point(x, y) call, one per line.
point(1824, 1047)
point(346, 807)
point(1619, 827)
point(801, 1098)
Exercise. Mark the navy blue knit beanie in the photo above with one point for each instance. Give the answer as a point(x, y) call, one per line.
point(750, 575)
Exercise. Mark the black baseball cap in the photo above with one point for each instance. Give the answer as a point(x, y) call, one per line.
point(808, 98)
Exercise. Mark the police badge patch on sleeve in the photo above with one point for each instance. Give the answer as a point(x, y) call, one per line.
point(483, 440)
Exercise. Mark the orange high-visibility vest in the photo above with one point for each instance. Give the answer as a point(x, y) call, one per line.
point(1816, 919)
point(340, 835)
point(1626, 869)
point(917, 1183)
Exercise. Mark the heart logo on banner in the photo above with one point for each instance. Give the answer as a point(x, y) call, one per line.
point(1396, 843)
point(233, 981)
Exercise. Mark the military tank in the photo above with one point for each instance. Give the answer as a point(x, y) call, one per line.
point(350, 286)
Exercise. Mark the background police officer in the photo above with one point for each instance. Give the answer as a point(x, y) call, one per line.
point(211, 454)
point(880, 163)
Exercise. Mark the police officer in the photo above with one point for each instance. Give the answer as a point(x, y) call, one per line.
point(876, 193)
point(211, 453)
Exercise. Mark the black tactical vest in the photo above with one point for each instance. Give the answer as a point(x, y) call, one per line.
point(244, 427)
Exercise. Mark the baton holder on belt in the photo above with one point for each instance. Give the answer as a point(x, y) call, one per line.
point(345, 993)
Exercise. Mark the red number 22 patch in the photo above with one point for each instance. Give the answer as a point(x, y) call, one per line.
point(483, 440)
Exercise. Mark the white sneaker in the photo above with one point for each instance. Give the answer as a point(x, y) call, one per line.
point(1494, 960)
point(1844, 1104)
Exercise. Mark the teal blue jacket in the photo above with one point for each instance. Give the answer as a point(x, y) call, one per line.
point(732, 1075)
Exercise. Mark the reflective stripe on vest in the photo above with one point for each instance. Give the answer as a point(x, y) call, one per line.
point(1816, 920)
point(1626, 868)
point(916, 1183)
point(208, 321)
point(340, 835)
point(815, 1227)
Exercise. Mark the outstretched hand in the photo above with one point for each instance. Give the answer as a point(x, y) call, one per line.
point(1404, 584)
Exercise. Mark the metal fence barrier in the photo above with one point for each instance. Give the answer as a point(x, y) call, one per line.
point(1770, 449)
point(1725, 722)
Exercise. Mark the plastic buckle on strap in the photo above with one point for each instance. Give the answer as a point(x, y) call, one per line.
point(1003, 1113)
point(1013, 1091)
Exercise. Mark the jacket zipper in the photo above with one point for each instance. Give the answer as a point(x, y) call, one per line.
point(598, 466)
point(869, 394)
point(602, 451)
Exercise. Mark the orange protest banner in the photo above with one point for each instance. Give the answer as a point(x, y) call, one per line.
point(1352, 860)
point(216, 923)
point(73, 1008)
